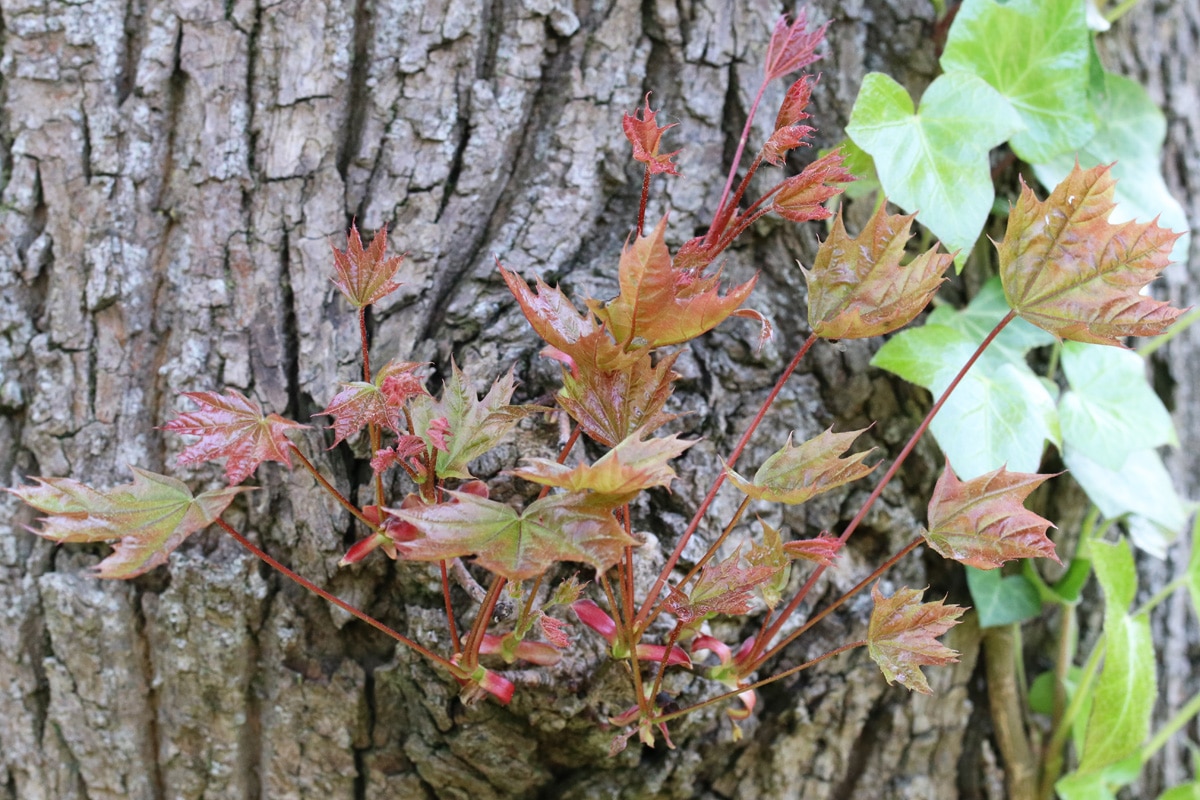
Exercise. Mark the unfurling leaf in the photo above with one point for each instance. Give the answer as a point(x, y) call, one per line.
point(902, 635)
point(151, 517)
point(857, 288)
point(610, 404)
point(771, 553)
point(722, 588)
point(233, 427)
point(793, 46)
point(660, 305)
point(460, 426)
point(982, 522)
point(1066, 269)
point(821, 550)
point(365, 276)
point(789, 133)
point(802, 197)
point(645, 136)
point(517, 545)
point(617, 476)
point(380, 402)
point(794, 475)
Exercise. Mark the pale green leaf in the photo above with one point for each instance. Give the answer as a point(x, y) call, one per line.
point(983, 313)
point(1111, 409)
point(1035, 53)
point(1002, 599)
point(935, 159)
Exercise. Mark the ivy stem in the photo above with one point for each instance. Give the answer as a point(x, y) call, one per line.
point(773, 630)
point(1052, 756)
point(327, 486)
point(337, 601)
point(757, 684)
point(643, 615)
point(1001, 655)
point(758, 660)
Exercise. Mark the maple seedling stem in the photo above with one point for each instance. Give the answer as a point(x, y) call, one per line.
point(482, 620)
point(791, 607)
point(722, 214)
point(329, 487)
point(337, 601)
point(642, 619)
point(666, 658)
point(758, 684)
point(641, 219)
point(450, 623)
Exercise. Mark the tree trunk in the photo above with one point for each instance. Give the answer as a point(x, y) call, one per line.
point(174, 173)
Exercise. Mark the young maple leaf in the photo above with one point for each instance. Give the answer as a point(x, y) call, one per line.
point(151, 517)
point(857, 288)
point(610, 404)
point(771, 554)
point(793, 46)
point(982, 522)
point(516, 545)
point(802, 197)
point(902, 635)
point(795, 475)
point(550, 313)
point(820, 550)
point(1069, 271)
point(789, 133)
point(617, 476)
point(380, 402)
point(722, 588)
point(660, 305)
point(232, 426)
point(645, 136)
point(460, 426)
point(365, 276)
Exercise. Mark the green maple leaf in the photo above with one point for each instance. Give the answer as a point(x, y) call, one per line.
point(935, 159)
point(517, 545)
point(1068, 270)
point(150, 517)
point(473, 425)
point(796, 474)
point(983, 522)
point(857, 288)
point(617, 476)
point(902, 636)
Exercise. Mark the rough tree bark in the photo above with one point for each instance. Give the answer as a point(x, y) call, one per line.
point(173, 174)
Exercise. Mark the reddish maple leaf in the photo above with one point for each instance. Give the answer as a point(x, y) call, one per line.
point(646, 137)
point(617, 476)
point(789, 133)
point(724, 587)
point(232, 426)
point(554, 630)
point(660, 305)
point(802, 197)
point(151, 517)
point(982, 522)
point(380, 402)
point(793, 46)
point(1069, 271)
point(902, 635)
point(610, 404)
point(365, 276)
point(794, 475)
point(517, 545)
point(821, 550)
point(551, 314)
point(857, 287)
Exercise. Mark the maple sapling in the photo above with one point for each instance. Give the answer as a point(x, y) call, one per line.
point(1064, 268)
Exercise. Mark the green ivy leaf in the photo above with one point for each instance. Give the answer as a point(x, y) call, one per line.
point(1142, 488)
point(1126, 689)
point(1002, 599)
point(1035, 53)
point(1111, 409)
point(1192, 576)
point(935, 160)
point(1130, 132)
